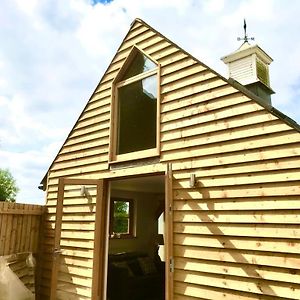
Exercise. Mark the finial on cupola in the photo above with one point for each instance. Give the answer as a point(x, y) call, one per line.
point(245, 38)
point(249, 65)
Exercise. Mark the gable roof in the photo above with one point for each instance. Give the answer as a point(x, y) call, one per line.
point(231, 82)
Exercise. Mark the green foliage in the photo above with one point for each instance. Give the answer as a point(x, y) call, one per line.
point(8, 187)
point(121, 217)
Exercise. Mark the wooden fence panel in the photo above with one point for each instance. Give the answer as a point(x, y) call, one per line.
point(19, 227)
point(19, 236)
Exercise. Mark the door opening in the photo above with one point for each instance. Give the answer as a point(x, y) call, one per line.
point(135, 258)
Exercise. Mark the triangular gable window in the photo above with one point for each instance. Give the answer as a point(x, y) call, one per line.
point(135, 109)
point(140, 64)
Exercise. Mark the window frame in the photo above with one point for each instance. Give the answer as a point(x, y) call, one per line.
point(131, 229)
point(152, 152)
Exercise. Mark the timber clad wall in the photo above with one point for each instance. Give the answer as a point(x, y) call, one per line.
point(236, 234)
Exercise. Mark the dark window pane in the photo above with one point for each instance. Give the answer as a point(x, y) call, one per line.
point(136, 125)
point(140, 64)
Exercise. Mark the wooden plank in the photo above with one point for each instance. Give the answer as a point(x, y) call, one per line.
point(283, 165)
point(274, 176)
point(262, 217)
point(192, 290)
point(239, 204)
point(193, 89)
point(216, 93)
point(241, 121)
point(204, 107)
point(283, 245)
point(211, 159)
point(259, 144)
point(254, 286)
point(188, 80)
point(169, 255)
point(251, 190)
point(99, 271)
point(241, 270)
point(182, 73)
point(222, 113)
point(250, 257)
point(58, 222)
point(252, 132)
point(243, 230)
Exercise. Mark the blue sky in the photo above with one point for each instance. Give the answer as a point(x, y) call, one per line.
point(53, 53)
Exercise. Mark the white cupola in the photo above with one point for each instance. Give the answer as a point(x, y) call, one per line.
point(249, 65)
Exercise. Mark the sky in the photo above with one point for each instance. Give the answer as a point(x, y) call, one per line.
point(53, 54)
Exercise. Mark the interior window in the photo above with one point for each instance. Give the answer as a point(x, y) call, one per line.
point(121, 218)
point(135, 111)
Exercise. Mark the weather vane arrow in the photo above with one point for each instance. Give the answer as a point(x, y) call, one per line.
point(245, 38)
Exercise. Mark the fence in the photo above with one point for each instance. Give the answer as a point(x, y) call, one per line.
point(19, 236)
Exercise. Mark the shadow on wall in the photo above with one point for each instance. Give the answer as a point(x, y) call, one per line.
point(215, 257)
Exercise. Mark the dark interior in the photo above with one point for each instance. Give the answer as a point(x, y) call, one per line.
point(135, 269)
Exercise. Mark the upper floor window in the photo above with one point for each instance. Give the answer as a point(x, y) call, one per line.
point(135, 109)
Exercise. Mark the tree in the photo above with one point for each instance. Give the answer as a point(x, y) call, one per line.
point(8, 186)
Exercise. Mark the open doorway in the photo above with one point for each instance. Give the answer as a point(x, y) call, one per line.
point(136, 262)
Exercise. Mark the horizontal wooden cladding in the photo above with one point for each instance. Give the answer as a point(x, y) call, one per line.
point(77, 234)
point(193, 89)
point(252, 257)
point(76, 280)
point(239, 204)
point(84, 136)
point(98, 106)
point(75, 269)
point(250, 190)
point(186, 102)
point(77, 171)
point(238, 269)
point(256, 119)
point(243, 146)
point(70, 295)
point(99, 113)
point(188, 80)
point(183, 290)
point(81, 153)
point(247, 168)
point(100, 143)
point(227, 135)
point(221, 113)
point(79, 244)
point(183, 72)
point(94, 124)
point(270, 176)
point(243, 230)
point(201, 106)
point(255, 286)
point(101, 137)
point(74, 225)
point(251, 216)
point(283, 245)
point(177, 65)
point(214, 163)
point(76, 209)
point(72, 289)
point(75, 162)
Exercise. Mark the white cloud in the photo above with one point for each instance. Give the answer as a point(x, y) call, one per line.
point(53, 53)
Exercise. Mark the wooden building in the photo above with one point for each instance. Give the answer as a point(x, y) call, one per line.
point(220, 162)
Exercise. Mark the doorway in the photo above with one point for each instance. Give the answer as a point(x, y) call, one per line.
point(136, 237)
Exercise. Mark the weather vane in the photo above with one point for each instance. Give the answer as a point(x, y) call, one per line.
point(245, 38)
